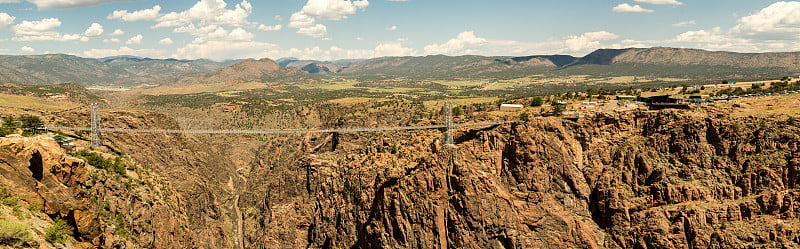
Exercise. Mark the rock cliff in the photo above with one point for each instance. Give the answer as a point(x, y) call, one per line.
point(639, 179)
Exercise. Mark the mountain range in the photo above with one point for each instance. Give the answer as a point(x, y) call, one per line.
point(658, 61)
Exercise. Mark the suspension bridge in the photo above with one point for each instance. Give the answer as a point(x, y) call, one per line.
point(447, 127)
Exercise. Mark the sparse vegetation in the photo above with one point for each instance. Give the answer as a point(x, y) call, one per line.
point(115, 165)
point(59, 232)
point(15, 234)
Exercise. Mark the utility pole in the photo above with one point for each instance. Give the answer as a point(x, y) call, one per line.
point(97, 139)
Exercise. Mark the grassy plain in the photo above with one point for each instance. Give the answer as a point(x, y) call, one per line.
point(768, 106)
point(18, 101)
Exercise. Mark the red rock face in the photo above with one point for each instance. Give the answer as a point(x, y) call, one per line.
point(632, 180)
point(625, 180)
point(95, 203)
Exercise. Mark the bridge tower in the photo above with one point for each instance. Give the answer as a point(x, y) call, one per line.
point(97, 139)
point(448, 133)
point(448, 123)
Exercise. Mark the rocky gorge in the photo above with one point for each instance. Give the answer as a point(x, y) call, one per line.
point(635, 179)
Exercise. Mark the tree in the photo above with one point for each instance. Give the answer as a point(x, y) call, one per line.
point(29, 124)
point(558, 110)
point(537, 101)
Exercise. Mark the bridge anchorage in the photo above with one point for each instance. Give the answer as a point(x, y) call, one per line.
point(447, 128)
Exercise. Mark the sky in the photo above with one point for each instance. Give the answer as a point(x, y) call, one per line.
point(356, 29)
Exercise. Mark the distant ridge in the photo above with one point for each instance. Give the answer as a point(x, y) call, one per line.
point(657, 61)
point(686, 56)
point(263, 70)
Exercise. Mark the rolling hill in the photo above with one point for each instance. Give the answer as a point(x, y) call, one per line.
point(441, 66)
point(263, 70)
point(121, 70)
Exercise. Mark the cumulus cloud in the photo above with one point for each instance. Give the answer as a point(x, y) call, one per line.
point(318, 31)
point(305, 19)
point(70, 4)
point(223, 50)
point(685, 23)
point(779, 21)
point(117, 32)
point(392, 28)
point(100, 53)
point(468, 43)
point(6, 19)
point(43, 30)
point(333, 9)
point(114, 40)
point(774, 28)
point(209, 12)
point(215, 33)
point(628, 8)
point(135, 40)
point(672, 2)
point(458, 45)
point(27, 49)
point(166, 41)
point(94, 31)
point(139, 15)
point(588, 41)
point(263, 27)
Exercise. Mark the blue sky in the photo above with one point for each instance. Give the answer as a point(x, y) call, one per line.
point(341, 29)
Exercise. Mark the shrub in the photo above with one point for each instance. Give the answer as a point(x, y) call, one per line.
point(59, 232)
point(97, 160)
point(14, 234)
point(537, 101)
point(7, 198)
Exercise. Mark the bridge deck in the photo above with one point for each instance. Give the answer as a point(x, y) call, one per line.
point(274, 131)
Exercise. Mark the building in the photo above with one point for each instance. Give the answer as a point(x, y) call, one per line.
point(626, 97)
point(511, 107)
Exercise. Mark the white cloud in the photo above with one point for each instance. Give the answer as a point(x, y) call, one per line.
point(301, 20)
point(318, 31)
point(139, 15)
point(673, 2)
point(100, 53)
point(392, 28)
point(215, 33)
point(278, 18)
point(588, 41)
point(360, 38)
point(628, 8)
point(166, 41)
point(114, 40)
point(43, 30)
point(779, 21)
point(263, 27)
point(223, 50)
point(458, 45)
point(305, 19)
point(27, 49)
point(70, 4)
point(135, 40)
point(6, 19)
point(333, 9)
point(468, 43)
point(209, 12)
point(117, 32)
point(94, 31)
point(685, 23)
